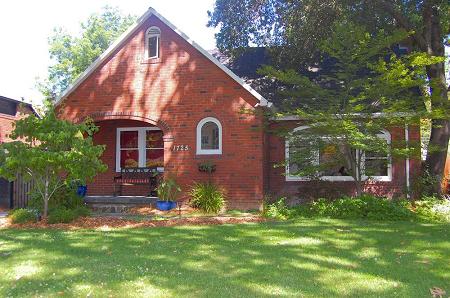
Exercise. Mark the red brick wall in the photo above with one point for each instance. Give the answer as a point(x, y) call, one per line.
point(175, 93)
point(306, 190)
point(6, 123)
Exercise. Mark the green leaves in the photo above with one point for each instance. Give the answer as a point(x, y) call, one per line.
point(52, 152)
point(363, 90)
point(73, 54)
point(168, 190)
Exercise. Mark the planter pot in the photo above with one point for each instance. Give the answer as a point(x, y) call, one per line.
point(165, 205)
point(81, 190)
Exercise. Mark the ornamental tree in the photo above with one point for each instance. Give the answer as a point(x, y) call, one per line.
point(51, 152)
point(365, 89)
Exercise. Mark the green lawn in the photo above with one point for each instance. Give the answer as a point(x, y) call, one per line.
point(311, 258)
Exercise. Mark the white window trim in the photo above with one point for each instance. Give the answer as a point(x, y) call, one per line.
point(385, 135)
point(141, 143)
point(199, 149)
point(148, 35)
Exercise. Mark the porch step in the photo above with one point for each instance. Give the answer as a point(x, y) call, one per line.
point(117, 204)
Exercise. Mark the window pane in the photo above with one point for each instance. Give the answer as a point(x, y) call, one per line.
point(210, 136)
point(154, 139)
point(331, 158)
point(154, 158)
point(376, 167)
point(153, 47)
point(376, 164)
point(301, 157)
point(129, 158)
point(128, 139)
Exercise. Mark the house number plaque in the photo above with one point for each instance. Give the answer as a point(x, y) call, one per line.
point(180, 148)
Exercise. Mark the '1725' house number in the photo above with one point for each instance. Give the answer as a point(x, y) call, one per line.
point(180, 148)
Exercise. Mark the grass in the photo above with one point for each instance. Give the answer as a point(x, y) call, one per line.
point(309, 258)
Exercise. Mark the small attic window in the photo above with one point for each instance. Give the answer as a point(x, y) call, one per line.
point(152, 42)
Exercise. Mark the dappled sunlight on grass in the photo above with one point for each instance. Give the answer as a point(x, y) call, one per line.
point(26, 269)
point(301, 258)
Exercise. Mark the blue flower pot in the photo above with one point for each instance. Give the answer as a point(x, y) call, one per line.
point(82, 190)
point(165, 205)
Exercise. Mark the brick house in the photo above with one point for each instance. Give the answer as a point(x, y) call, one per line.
point(11, 110)
point(160, 100)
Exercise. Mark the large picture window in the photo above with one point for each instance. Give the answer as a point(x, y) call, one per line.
point(139, 147)
point(375, 165)
point(209, 136)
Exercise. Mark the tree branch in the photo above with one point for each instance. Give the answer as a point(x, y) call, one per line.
point(403, 22)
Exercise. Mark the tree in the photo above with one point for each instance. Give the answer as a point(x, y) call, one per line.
point(52, 153)
point(296, 28)
point(344, 111)
point(73, 54)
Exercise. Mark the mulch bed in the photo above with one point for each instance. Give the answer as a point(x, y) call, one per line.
point(115, 222)
point(185, 210)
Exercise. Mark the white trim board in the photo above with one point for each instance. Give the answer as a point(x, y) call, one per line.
point(128, 33)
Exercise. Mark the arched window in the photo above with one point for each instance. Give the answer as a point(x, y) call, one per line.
point(209, 136)
point(152, 43)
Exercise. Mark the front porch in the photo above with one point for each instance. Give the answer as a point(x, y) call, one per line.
point(134, 152)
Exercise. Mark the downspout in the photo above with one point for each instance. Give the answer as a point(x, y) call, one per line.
point(408, 186)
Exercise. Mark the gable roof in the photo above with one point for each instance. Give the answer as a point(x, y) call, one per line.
point(18, 102)
point(121, 40)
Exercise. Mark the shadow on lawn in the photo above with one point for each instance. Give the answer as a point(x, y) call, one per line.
point(312, 258)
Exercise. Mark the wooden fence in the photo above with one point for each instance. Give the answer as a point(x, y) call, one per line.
point(20, 193)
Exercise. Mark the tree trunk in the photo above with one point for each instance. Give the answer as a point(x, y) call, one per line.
point(430, 40)
point(46, 200)
point(358, 188)
point(440, 129)
point(436, 159)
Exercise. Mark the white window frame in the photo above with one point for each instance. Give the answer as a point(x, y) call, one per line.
point(142, 148)
point(384, 135)
point(148, 35)
point(200, 124)
point(387, 136)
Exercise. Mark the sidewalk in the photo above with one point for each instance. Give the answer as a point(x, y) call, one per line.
point(3, 219)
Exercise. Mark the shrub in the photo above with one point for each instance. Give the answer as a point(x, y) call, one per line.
point(363, 207)
point(433, 209)
point(207, 197)
point(168, 190)
point(277, 210)
point(423, 185)
point(65, 196)
point(429, 209)
point(61, 215)
point(20, 216)
point(82, 211)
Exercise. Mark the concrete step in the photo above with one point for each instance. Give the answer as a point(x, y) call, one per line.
point(119, 204)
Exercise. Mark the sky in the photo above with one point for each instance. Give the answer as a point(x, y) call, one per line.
point(26, 25)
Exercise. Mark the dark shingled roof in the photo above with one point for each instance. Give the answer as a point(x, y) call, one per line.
point(6, 100)
point(251, 59)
